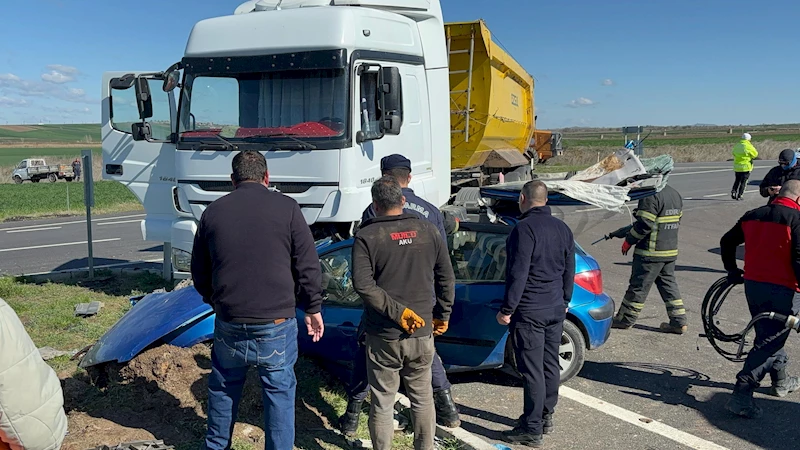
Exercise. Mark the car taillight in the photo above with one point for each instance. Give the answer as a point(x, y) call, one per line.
point(591, 280)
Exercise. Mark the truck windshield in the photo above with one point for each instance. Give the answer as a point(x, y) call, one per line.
point(273, 106)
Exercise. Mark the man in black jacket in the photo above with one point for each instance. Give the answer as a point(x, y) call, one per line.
point(540, 276)
point(254, 261)
point(399, 264)
point(787, 169)
point(655, 237)
point(399, 168)
point(771, 235)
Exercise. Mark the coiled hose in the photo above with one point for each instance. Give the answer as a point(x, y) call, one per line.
point(712, 303)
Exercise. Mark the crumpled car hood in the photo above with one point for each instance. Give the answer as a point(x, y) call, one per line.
point(178, 318)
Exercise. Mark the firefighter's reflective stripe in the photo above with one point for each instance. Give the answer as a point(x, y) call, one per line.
point(651, 249)
point(646, 215)
point(635, 234)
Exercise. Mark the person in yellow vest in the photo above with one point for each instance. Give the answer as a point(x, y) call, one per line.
point(743, 155)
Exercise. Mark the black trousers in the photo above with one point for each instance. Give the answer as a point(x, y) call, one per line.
point(359, 385)
point(768, 355)
point(740, 183)
point(643, 274)
point(536, 341)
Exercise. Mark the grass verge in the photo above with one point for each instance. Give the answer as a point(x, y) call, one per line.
point(161, 393)
point(53, 199)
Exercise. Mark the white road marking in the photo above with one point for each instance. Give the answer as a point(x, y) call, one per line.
point(70, 223)
point(63, 244)
point(119, 222)
point(724, 194)
point(640, 421)
point(712, 171)
point(34, 229)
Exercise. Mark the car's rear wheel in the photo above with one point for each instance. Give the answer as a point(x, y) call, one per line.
point(571, 352)
point(52, 178)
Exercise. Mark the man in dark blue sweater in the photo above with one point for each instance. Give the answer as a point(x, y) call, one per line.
point(539, 281)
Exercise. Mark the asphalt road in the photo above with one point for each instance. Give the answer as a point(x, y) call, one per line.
point(642, 390)
point(30, 247)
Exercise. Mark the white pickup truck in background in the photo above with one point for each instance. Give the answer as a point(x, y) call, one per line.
point(35, 170)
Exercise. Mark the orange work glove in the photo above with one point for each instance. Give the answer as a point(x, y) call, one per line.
point(625, 247)
point(410, 321)
point(439, 327)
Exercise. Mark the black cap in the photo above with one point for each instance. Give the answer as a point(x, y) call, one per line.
point(786, 156)
point(395, 162)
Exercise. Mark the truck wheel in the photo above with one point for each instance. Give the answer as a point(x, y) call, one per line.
point(69, 179)
point(52, 178)
point(571, 352)
point(17, 179)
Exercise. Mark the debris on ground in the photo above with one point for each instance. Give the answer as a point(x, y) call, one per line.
point(49, 353)
point(163, 394)
point(88, 309)
point(137, 445)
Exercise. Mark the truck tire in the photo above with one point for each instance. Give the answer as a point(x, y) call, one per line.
point(17, 179)
point(571, 354)
point(469, 198)
point(69, 179)
point(52, 178)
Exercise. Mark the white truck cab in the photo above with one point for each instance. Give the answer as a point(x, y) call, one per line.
point(323, 88)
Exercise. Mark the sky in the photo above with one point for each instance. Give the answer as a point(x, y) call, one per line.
point(596, 63)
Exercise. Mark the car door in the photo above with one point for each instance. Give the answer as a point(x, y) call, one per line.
point(474, 338)
point(341, 307)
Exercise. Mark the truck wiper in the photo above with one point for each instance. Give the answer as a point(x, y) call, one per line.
point(304, 145)
point(228, 144)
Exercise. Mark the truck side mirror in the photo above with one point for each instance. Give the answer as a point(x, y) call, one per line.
point(141, 131)
point(144, 101)
point(392, 96)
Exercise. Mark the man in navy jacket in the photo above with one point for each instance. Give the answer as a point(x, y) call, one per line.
point(539, 280)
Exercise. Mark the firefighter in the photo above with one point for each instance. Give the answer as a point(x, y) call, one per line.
point(787, 169)
point(743, 155)
point(655, 236)
point(771, 235)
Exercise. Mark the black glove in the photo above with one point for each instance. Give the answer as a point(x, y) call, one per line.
point(736, 276)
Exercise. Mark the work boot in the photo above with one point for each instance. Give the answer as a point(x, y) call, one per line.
point(446, 411)
point(522, 436)
point(548, 426)
point(733, 195)
point(620, 325)
point(348, 423)
point(785, 386)
point(667, 327)
point(741, 402)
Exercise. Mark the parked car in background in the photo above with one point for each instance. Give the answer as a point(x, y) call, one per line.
point(474, 340)
point(35, 170)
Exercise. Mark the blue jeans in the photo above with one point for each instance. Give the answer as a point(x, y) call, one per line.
point(273, 350)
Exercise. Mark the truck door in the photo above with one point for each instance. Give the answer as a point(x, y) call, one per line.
point(146, 167)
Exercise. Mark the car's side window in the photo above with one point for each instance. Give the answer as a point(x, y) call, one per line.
point(478, 256)
point(337, 281)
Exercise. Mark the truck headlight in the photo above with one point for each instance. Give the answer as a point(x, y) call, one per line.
point(181, 260)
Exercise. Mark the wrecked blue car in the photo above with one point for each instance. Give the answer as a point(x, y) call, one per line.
point(474, 341)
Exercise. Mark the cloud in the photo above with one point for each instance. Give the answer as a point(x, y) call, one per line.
point(64, 110)
point(608, 82)
point(13, 84)
point(60, 74)
point(582, 101)
point(13, 102)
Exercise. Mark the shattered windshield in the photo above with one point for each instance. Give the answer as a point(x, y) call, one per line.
point(305, 104)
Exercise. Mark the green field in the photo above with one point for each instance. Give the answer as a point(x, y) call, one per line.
point(40, 199)
point(66, 133)
point(11, 156)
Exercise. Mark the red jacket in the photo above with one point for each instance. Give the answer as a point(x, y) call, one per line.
point(771, 235)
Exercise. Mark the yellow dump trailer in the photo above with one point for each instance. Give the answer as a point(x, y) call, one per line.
point(491, 100)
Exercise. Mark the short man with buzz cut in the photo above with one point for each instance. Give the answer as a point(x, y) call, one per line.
point(399, 264)
point(254, 261)
point(540, 276)
point(398, 167)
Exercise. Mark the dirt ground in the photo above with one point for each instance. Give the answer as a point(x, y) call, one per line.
point(162, 394)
